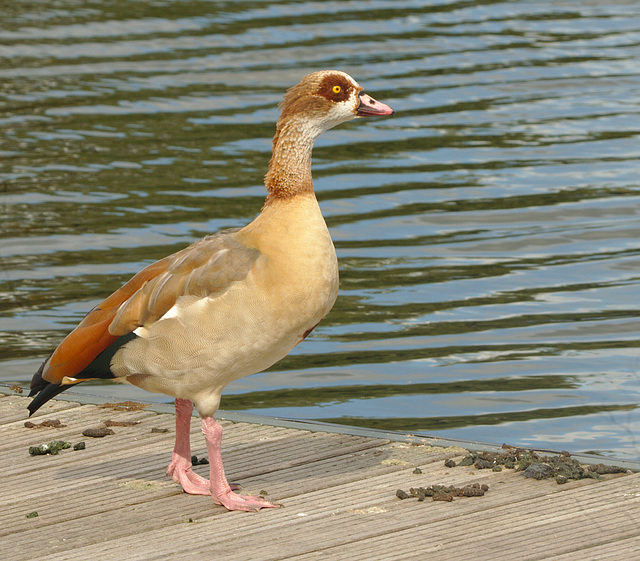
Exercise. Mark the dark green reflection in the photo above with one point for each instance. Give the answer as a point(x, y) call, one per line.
point(422, 424)
point(501, 352)
point(308, 397)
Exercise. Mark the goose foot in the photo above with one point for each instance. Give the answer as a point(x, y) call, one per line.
point(247, 503)
point(180, 467)
point(190, 481)
point(221, 490)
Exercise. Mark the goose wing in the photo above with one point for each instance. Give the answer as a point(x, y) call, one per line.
point(206, 268)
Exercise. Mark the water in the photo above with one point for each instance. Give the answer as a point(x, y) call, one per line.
point(488, 235)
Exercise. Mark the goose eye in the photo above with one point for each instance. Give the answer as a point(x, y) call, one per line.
point(337, 89)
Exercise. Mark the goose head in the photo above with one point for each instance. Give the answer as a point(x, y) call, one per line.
point(319, 102)
point(325, 99)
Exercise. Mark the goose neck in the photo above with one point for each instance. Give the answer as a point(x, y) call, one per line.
point(290, 166)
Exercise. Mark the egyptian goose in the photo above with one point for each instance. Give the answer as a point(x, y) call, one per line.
point(231, 304)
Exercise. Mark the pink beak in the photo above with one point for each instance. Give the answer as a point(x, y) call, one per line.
point(369, 107)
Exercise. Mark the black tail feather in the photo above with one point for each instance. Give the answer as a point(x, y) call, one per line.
point(44, 394)
point(42, 390)
point(37, 382)
point(100, 367)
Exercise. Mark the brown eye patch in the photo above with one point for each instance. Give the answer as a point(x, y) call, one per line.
point(335, 88)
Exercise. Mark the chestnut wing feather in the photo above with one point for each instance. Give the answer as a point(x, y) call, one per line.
point(205, 268)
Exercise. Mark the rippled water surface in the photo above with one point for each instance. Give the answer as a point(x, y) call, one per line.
point(488, 235)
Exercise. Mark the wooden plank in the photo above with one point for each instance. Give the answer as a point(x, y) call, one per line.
point(13, 408)
point(368, 524)
point(112, 500)
point(610, 550)
point(362, 533)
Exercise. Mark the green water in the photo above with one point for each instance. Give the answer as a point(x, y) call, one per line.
point(488, 235)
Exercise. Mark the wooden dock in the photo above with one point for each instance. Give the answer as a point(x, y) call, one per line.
point(111, 501)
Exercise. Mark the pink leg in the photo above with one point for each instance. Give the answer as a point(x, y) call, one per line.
point(180, 467)
point(220, 489)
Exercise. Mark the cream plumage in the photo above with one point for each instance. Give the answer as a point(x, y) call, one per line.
point(229, 305)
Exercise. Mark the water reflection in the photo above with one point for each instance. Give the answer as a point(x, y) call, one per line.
point(487, 235)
